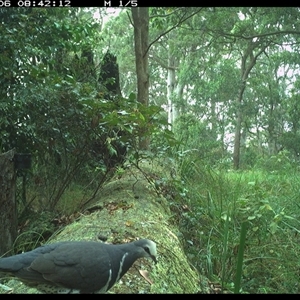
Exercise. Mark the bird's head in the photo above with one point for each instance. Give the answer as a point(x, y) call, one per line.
point(147, 248)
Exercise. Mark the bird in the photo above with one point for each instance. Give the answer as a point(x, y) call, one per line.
point(71, 267)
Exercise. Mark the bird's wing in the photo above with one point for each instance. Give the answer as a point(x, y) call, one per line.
point(82, 266)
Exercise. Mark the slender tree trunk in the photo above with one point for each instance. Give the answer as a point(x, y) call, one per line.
point(237, 134)
point(273, 126)
point(140, 16)
point(214, 119)
point(248, 62)
point(171, 90)
point(8, 208)
point(181, 109)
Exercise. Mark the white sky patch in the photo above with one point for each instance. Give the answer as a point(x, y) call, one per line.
point(109, 12)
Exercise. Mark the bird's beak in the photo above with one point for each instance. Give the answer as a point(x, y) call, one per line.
point(154, 258)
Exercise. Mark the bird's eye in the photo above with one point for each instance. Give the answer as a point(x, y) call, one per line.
point(146, 248)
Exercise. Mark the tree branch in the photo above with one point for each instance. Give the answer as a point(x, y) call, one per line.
point(162, 64)
point(173, 27)
point(167, 15)
point(260, 35)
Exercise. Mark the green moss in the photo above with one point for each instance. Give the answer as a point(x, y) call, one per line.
point(128, 208)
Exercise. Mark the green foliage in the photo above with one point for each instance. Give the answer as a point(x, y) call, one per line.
point(249, 157)
point(280, 163)
point(291, 141)
point(38, 228)
point(197, 139)
point(208, 52)
point(239, 267)
point(55, 108)
point(214, 211)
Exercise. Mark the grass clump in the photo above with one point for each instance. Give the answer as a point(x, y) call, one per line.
point(241, 228)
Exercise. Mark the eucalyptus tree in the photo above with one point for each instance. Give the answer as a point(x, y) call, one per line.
point(203, 60)
point(170, 53)
point(249, 33)
point(267, 101)
point(140, 18)
point(160, 24)
point(289, 138)
point(196, 74)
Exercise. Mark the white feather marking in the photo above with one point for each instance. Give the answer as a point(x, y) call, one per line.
point(105, 287)
point(121, 266)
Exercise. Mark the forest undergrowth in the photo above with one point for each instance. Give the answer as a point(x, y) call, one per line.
point(241, 228)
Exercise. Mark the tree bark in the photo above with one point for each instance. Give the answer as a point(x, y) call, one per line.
point(171, 83)
point(140, 16)
point(246, 67)
point(237, 134)
point(8, 209)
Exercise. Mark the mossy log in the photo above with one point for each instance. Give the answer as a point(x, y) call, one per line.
point(127, 208)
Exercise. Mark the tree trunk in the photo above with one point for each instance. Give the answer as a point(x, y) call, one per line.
point(8, 209)
point(140, 16)
point(181, 109)
point(237, 141)
point(172, 113)
point(248, 62)
point(273, 127)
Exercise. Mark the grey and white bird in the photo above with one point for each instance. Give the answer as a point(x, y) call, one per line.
point(76, 266)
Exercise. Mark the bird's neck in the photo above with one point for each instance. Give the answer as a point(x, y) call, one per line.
point(122, 266)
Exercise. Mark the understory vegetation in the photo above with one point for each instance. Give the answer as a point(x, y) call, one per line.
point(223, 117)
point(214, 207)
point(255, 212)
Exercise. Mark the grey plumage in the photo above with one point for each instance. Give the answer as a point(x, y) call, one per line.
point(77, 266)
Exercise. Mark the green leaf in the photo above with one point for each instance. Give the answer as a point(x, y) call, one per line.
point(273, 227)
